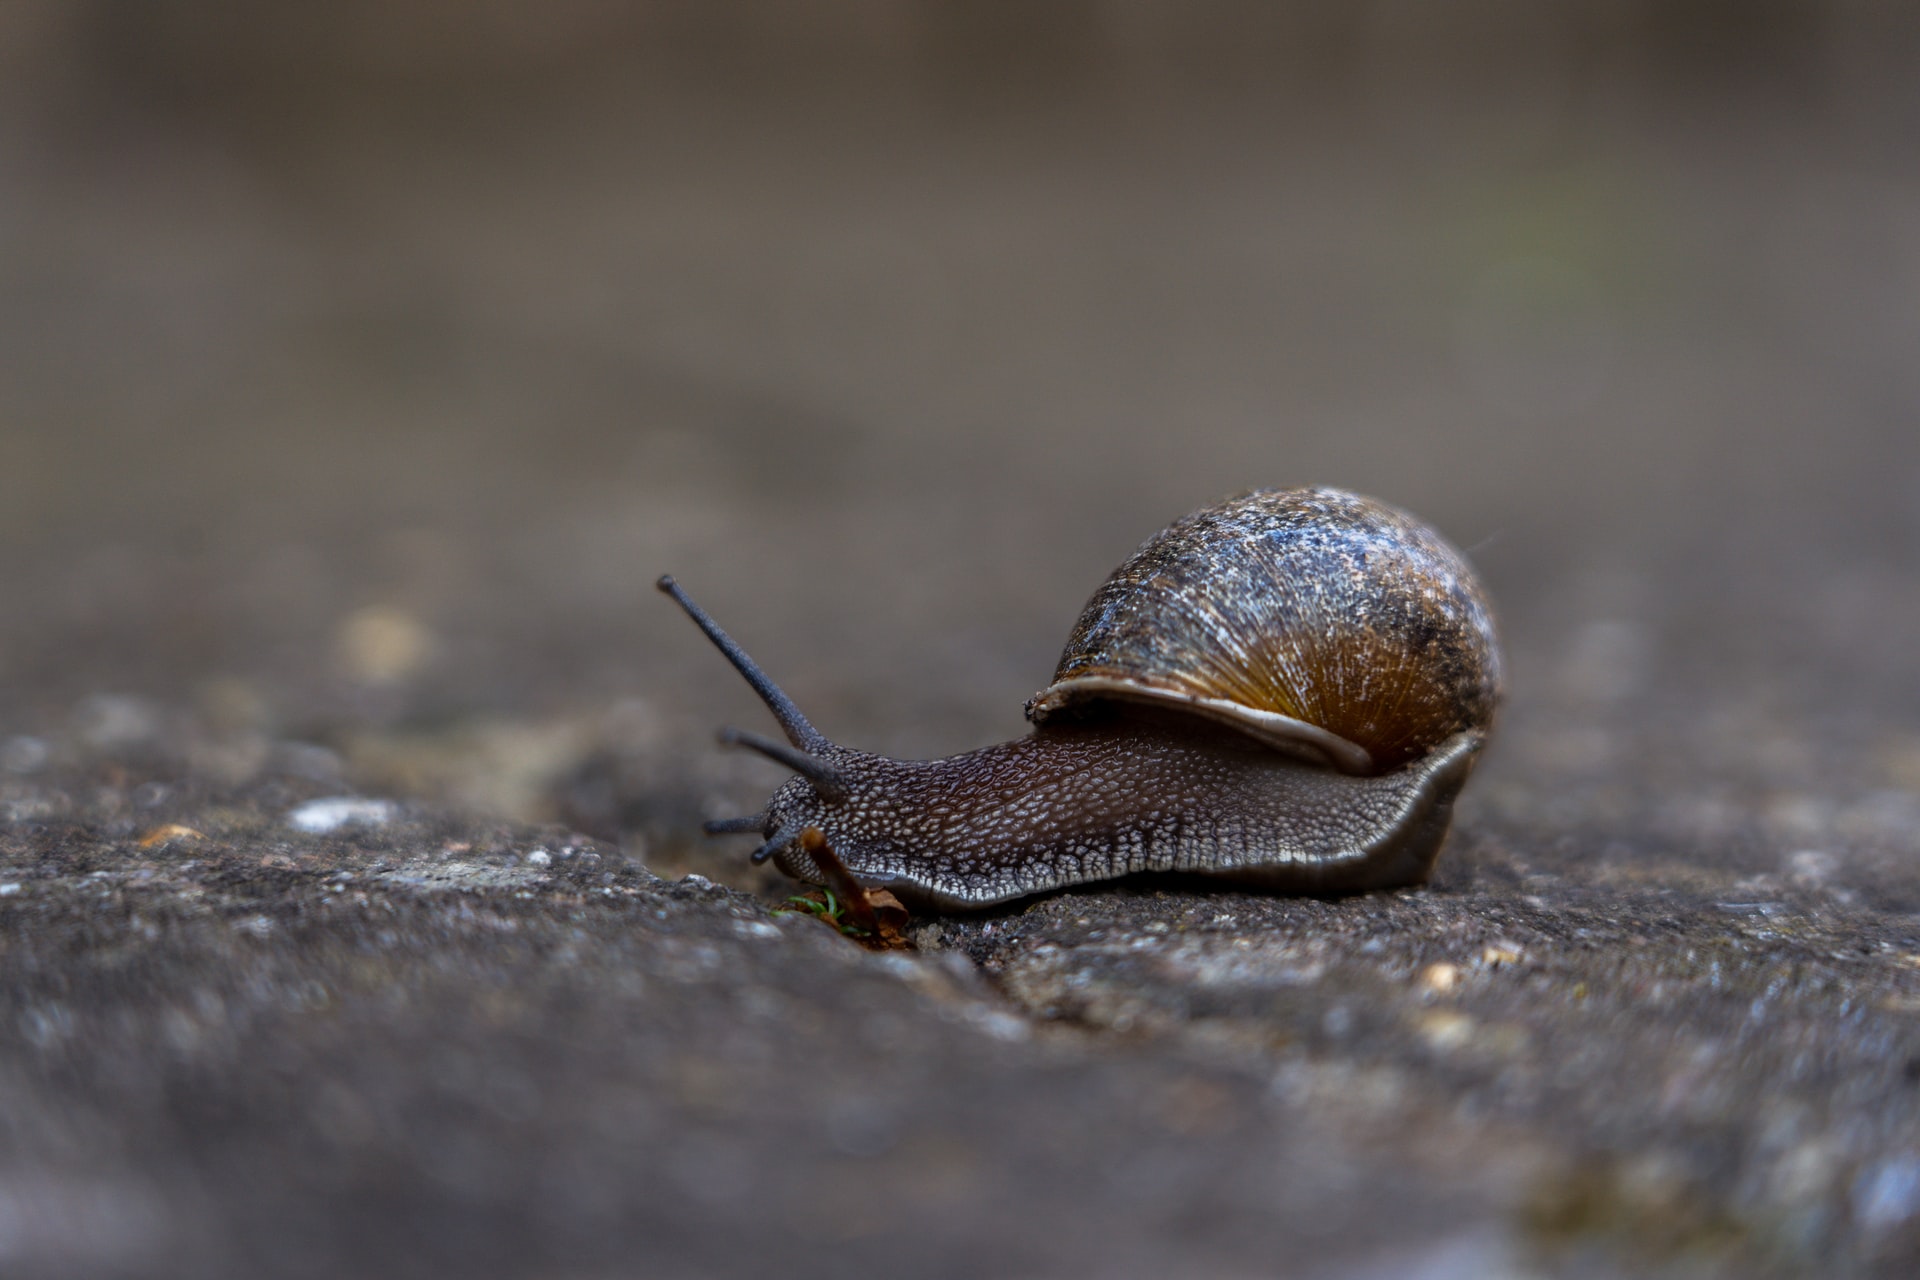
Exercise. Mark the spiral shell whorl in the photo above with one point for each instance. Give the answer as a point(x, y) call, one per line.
point(1317, 605)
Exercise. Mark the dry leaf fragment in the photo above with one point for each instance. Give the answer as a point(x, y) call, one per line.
point(167, 834)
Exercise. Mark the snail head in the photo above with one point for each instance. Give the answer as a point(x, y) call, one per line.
point(807, 751)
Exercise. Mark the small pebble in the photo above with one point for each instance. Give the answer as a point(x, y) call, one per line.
point(1440, 978)
point(539, 858)
point(317, 817)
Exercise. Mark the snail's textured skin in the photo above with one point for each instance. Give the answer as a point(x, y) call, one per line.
point(1287, 689)
point(1316, 605)
point(1083, 803)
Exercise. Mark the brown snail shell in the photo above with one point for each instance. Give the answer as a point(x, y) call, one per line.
point(1316, 620)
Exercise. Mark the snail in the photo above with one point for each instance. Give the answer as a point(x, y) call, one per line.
point(1287, 690)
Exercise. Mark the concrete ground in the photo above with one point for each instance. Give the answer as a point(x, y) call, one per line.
point(346, 431)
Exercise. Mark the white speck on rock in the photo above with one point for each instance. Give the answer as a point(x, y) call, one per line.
point(318, 817)
point(455, 874)
point(1446, 1032)
point(1810, 868)
point(539, 858)
point(1888, 1194)
point(998, 1023)
point(10, 888)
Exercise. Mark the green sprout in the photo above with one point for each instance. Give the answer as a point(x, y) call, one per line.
point(832, 911)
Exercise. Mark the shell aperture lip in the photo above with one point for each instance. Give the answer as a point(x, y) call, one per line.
point(1284, 732)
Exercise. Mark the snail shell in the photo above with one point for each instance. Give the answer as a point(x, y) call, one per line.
point(1316, 620)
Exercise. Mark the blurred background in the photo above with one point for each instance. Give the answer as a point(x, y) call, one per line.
point(362, 364)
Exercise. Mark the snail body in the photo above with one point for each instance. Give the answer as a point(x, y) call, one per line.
point(1287, 689)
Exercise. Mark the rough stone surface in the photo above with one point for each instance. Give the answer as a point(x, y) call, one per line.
point(352, 407)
